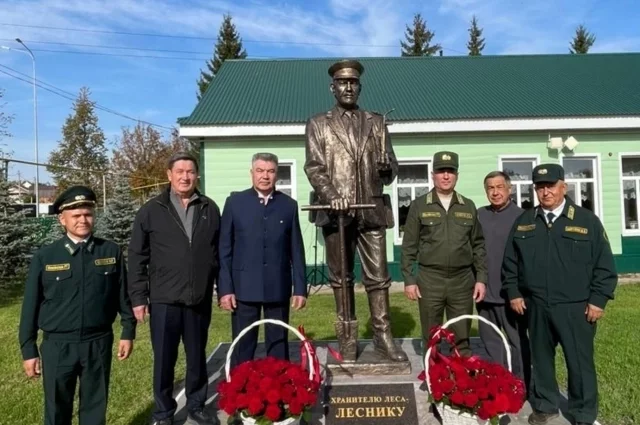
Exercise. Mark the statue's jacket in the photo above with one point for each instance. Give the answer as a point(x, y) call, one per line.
point(338, 165)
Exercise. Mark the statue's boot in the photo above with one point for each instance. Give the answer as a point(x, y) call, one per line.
point(346, 331)
point(382, 339)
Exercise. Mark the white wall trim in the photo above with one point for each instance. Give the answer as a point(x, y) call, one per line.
point(394, 196)
point(624, 230)
point(522, 157)
point(598, 180)
point(294, 180)
point(450, 126)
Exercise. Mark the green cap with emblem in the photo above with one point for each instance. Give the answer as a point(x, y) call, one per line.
point(548, 173)
point(74, 197)
point(445, 160)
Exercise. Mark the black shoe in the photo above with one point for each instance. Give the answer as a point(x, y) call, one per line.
point(541, 418)
point(200, 417)
point(168, 421)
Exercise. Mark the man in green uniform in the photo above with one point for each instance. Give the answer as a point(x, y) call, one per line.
point(558, 266)
point(442, 233)
point(74, 290)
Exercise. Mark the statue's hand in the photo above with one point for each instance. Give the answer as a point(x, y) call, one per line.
point(339, 204)
point(384, 163)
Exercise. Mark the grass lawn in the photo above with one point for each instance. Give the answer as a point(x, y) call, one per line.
point(131, 393)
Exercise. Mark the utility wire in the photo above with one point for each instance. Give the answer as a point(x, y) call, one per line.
point(71, 96)
point(307, 43)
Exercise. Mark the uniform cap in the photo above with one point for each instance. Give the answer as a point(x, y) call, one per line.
point(346, 69)
point(445, 159)
point(548, 173)
point(74, 197)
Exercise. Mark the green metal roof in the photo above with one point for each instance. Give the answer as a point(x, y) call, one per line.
point(427, 88)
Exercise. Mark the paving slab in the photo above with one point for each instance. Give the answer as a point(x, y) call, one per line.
point(216, 366)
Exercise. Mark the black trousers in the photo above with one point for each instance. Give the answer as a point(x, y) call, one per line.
point(565, 324)
point(63, 364)
point(515, 328)
point(276, 337)
point(169, 324)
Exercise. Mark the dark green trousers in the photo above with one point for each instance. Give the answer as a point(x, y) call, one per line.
point(567, 325)
point(442, 293)
point(63, 364)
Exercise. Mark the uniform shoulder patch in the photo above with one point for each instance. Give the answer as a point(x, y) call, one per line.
point(525, 227)
point(105, 261)
point(463, 215)
point(571, 212)
point(576, 229)
point(57, 267)
point(428, 214)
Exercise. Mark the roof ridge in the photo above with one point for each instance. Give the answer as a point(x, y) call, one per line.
point(436, 57)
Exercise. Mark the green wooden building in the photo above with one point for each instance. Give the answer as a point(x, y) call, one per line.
point(498, 112)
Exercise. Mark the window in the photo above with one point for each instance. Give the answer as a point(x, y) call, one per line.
point(412, 182)
point(286, 178)
point(631, 193)
point(520, 171)
point(581, 176)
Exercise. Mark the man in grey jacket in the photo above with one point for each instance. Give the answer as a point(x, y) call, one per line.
point(496, 219)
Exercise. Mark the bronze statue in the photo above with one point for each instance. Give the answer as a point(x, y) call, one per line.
point(349, 160)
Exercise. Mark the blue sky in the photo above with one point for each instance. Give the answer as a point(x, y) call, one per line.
point(159, 90)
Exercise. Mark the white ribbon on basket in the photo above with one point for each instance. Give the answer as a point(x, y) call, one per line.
point(455, 320)
point(274, 322)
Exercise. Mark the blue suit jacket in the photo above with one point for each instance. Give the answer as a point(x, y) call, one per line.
point(261, 248)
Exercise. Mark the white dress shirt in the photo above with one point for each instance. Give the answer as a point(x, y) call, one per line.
point(556, 212)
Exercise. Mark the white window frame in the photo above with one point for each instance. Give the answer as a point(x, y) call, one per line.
point(596, 180)
point(407, 161)
point(293, 186)
point(625, 231)
point(535, 160)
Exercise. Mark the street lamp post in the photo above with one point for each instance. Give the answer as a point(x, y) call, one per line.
point(35, 119)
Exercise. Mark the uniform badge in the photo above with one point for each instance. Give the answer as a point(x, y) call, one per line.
point(526, 227)
point(80, 198)
point(576, 229)
point(542, 171)
point(428, 214)
point(571, 212)
point(463, 215)
point(446, 157)
point(57, 267)
point(105, 261)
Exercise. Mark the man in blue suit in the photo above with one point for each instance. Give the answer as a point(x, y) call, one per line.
point(262, 260)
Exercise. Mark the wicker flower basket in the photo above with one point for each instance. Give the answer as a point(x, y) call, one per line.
point(451, 416)
point(247, 420)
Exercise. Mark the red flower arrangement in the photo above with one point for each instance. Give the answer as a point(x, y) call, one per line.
point(471, 385)
point(270, 391)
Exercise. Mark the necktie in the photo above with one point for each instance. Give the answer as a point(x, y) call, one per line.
point(550, 217)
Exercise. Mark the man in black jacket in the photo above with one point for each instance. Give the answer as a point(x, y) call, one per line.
point(172, 269)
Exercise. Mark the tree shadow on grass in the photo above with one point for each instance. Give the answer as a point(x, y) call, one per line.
point(11, 292)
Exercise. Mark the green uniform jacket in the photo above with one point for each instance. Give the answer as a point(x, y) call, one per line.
point(74, 295)
point(569, 262)
point(446, 242)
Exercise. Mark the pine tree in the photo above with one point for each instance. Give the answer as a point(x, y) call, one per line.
point(116, 221)
point(418, 39)
point(17, 237)
point(82, 147)
point(582, 41)
point(229, 46)
point(5, 120)
point(476, 43)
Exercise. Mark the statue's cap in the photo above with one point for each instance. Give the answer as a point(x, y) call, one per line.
point(347, 68)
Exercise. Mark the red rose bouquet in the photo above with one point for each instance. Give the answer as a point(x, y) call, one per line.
point(270, 391)
point(471, 386)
